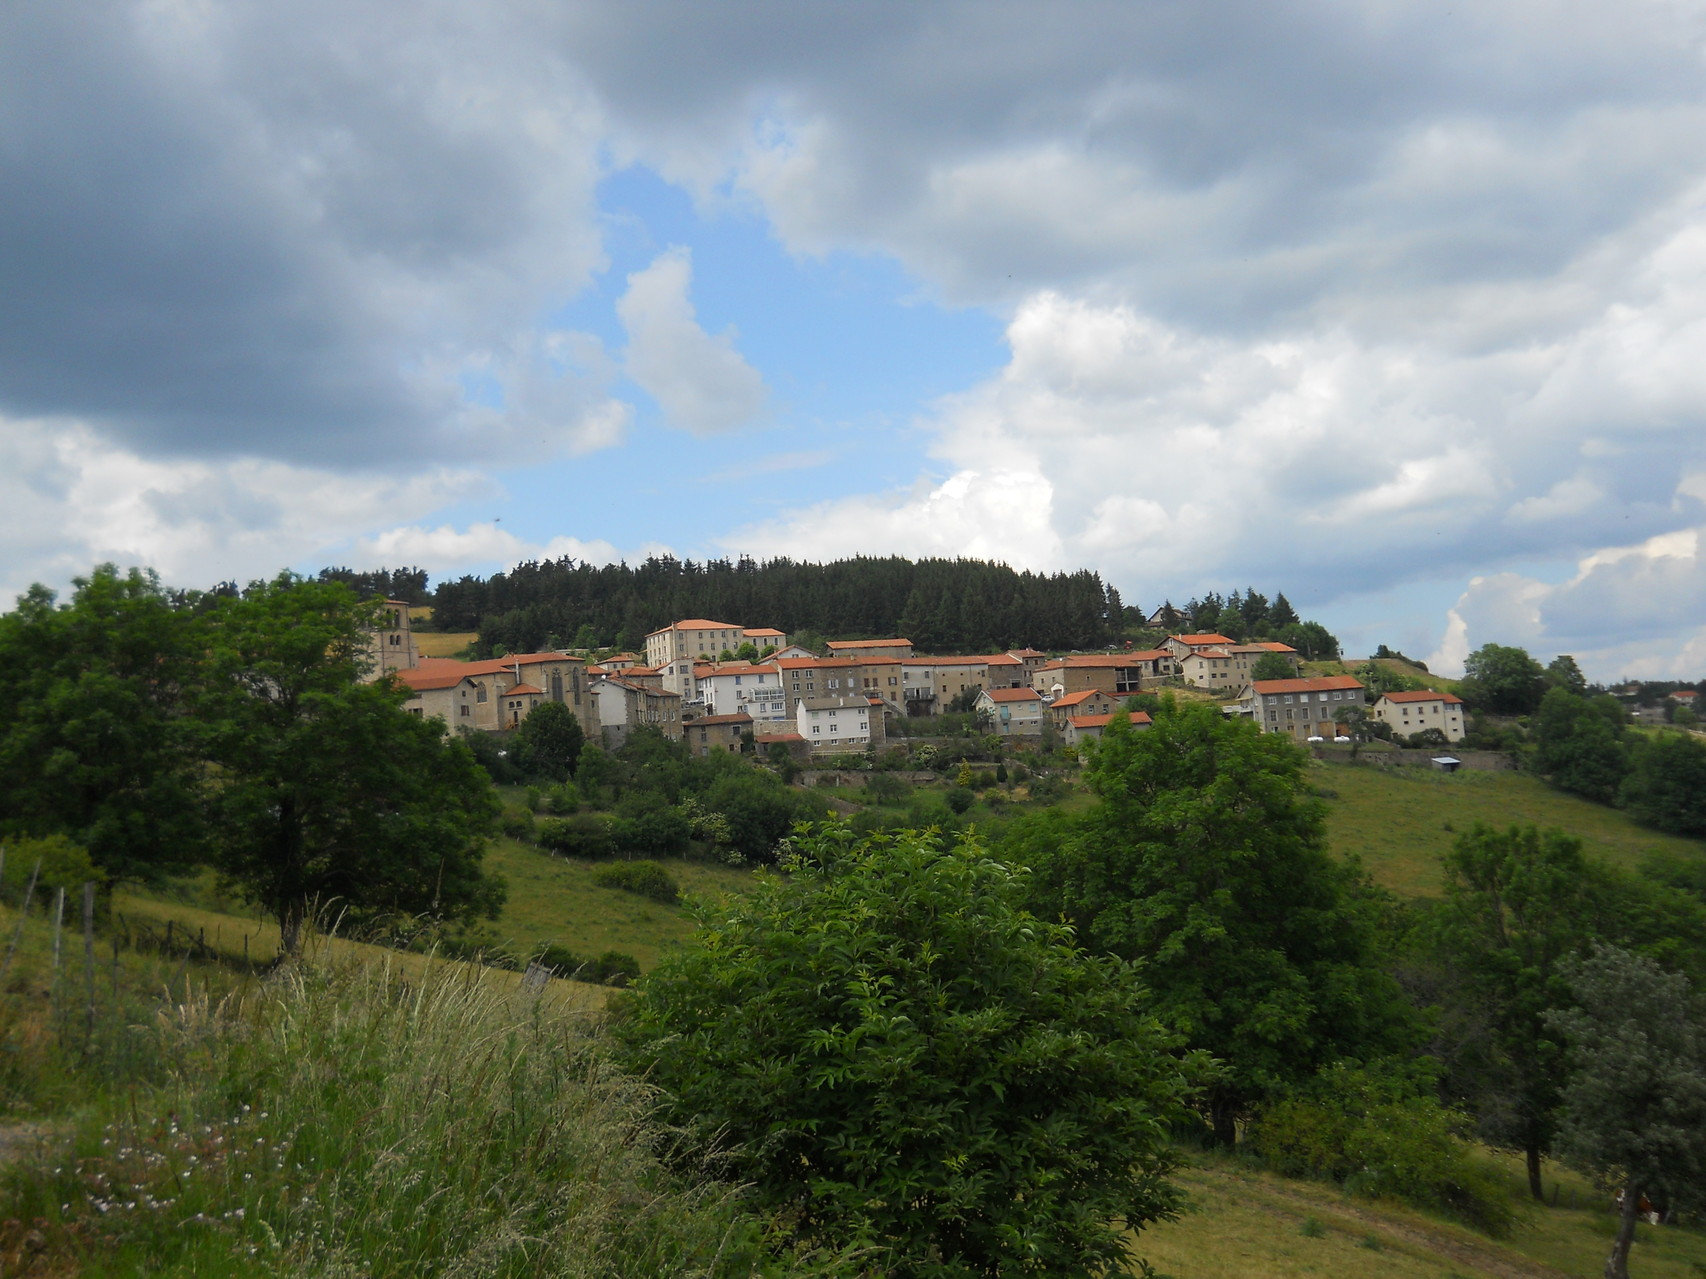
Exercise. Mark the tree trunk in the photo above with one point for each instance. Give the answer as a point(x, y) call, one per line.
point(1617, 1264)
point(1223, 1120)
point(1532, 1155)
point(289, 933)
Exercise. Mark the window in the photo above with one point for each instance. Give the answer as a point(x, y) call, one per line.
point(464, 711)
point(817, 728)
point(479, 692)
point(833, 727)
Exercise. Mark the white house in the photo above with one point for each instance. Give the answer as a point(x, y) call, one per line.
point(1419, 711)
point(1014, 712)
point(736, 688)
point(838, 723)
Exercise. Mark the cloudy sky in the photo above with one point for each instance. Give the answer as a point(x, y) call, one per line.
point(1397, 307)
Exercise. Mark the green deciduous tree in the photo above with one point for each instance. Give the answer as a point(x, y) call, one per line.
point(1635, 1102)
point(1503, 680)
point(1272, 666)
point(898, 1055)
point(1579, 744)
point(1207, 860)
point(1666, 786)
point(549, 742)
point(1562, 672)
point(1519, 903)
point(325, 791)
point(94, 742)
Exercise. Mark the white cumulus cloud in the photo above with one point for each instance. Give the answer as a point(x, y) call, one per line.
point(699, 379)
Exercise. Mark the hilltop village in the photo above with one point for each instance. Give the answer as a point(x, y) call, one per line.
point(722, 685)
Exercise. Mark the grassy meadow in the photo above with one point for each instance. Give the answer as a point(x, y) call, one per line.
point(1247, 1224)
point(555, 899)
point(1400, 820)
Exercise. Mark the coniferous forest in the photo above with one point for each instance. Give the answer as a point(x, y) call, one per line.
point(941, 605)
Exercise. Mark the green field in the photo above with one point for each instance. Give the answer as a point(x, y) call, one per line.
point(1245, 1224)
point(1400, 820)
point(555, 899)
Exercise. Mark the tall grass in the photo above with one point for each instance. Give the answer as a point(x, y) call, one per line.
point(346, 1119)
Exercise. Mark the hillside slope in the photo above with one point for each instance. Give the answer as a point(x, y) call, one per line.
point(1252, 1225)
point(1400, 820)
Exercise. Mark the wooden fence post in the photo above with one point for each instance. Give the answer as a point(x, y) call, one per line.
point(23, 915)
point(89, 959)
point(58, 927)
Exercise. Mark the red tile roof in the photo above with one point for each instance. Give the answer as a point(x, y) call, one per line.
point(1091, 721)
point(1072, 699)
point(888, 643)
point(1012, 695)
point(833, 663)
point(697, 624)
point(1320, 684)
point(424, 680)
point(764, 739)
point(524, 688)
point(1082, 660)
point(708, 720)
point(1208, 637)
point(492, 665)
point(705, 670)
point(1425, 695)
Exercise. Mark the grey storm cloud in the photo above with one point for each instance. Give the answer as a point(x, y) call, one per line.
point(275, 231)
point(283, 229)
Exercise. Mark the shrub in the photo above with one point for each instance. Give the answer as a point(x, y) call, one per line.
point(647, 879)
point(886, 788)
point(897, 1055)
point(63, 865)
point(959, 799)
point(652, 827)
point(612, 968)
point(1377, 1135)
point(563, 799)
point(575, 837)
point(518, 824)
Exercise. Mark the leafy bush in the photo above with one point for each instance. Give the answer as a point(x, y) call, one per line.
point(647, 879)
point(1378, 1135)
point(563, 799)
point(897, 1055)
point(63, 865)
point(959, 799)
point(575, 837)
point(886, 788)
point(612, 968)
point(650, 827)
point(518, 824)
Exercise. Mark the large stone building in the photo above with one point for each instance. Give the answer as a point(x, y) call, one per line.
point(1301, 708)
